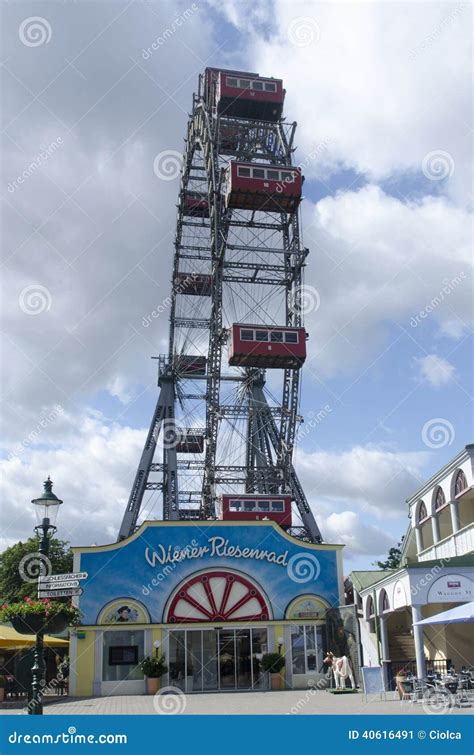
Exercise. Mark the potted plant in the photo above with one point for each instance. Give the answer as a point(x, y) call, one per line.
point(153, 668)
point(273, 664)
point(45, 615)
point(3, 682)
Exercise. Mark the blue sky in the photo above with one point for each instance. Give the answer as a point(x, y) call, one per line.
point(88, 239)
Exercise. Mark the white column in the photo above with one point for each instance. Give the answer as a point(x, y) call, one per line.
point(454, 511)
point(435, 528)
point(419, 642)
point(385, 649)
point(419, 539)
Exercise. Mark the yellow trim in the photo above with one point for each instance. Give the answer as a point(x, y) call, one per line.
point(203, 525)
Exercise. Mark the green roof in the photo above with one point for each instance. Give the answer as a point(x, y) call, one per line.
point(364, 579)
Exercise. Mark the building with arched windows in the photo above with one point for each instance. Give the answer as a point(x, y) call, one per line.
point(436, 574)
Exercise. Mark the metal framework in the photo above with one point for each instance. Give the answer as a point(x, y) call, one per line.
point(254, 262)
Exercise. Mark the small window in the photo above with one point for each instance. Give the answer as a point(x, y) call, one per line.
point(246, 335)
point(273, 175)
point(277, 506)
point(276, 336)
point(235, 505)
point(270, 87)
point(440, 500)
point(231, 82)
point(287, 176)
point(258, 173)
point(249, 505)
point(422, 512)
point(243, 172)
point(257, 85)
point(261, 335)
point(291, 337)
point(244, 84)
point(264, 505)
point(123, 655)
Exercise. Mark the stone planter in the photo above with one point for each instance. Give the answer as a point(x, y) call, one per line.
point(152, 685)
point(37, 622)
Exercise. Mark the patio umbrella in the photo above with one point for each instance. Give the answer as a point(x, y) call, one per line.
point(459, 615)
point(9, 639)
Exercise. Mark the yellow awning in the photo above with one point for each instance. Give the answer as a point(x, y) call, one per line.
point(9, 639)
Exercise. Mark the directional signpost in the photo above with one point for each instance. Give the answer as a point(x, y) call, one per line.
point(61, 585)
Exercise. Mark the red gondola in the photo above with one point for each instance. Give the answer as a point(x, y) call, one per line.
point(193, 284)
point(269, 188)
point(267, 346)
point(255, 507)
point(244, 95)
point(195, 204)
point(190, 442)
point(190, 365)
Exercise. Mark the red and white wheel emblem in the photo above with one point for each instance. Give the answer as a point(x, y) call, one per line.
point(217, 596)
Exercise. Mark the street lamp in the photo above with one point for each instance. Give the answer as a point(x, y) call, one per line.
point(46, 509)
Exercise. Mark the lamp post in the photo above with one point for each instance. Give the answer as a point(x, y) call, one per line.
point(46, 508)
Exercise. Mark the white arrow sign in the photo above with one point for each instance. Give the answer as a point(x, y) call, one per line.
point(60, 593)
point(63, 577)
point(59, 585)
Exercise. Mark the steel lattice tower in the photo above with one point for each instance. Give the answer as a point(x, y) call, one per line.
point(225, 428)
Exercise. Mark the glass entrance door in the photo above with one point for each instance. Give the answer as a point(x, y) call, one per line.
point(217, 659)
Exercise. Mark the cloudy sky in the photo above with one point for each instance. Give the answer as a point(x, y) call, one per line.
point(381, 92)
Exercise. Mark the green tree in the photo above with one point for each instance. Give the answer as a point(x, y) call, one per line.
point(393, 559)
point(13, 585)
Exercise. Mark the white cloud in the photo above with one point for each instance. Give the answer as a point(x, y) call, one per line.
point(366, 478)
point(377, 262)
point(435, 370)
point(359, 537)
point(372, 81)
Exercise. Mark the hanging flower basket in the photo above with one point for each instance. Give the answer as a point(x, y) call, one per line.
point(33, 616)
point(33, 623)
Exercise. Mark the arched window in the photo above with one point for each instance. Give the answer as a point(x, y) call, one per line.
point(422, 512)
point(440, 499)
point(370, 608)
point(384, 601)
point(461, 483)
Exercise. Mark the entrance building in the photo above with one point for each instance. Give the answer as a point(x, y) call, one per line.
point(213, 598)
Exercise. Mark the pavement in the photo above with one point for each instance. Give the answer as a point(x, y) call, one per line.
point(288, 702)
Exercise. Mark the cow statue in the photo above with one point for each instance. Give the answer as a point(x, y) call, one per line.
point(341, 668)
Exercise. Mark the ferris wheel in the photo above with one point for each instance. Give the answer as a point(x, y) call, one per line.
point(227, 414)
